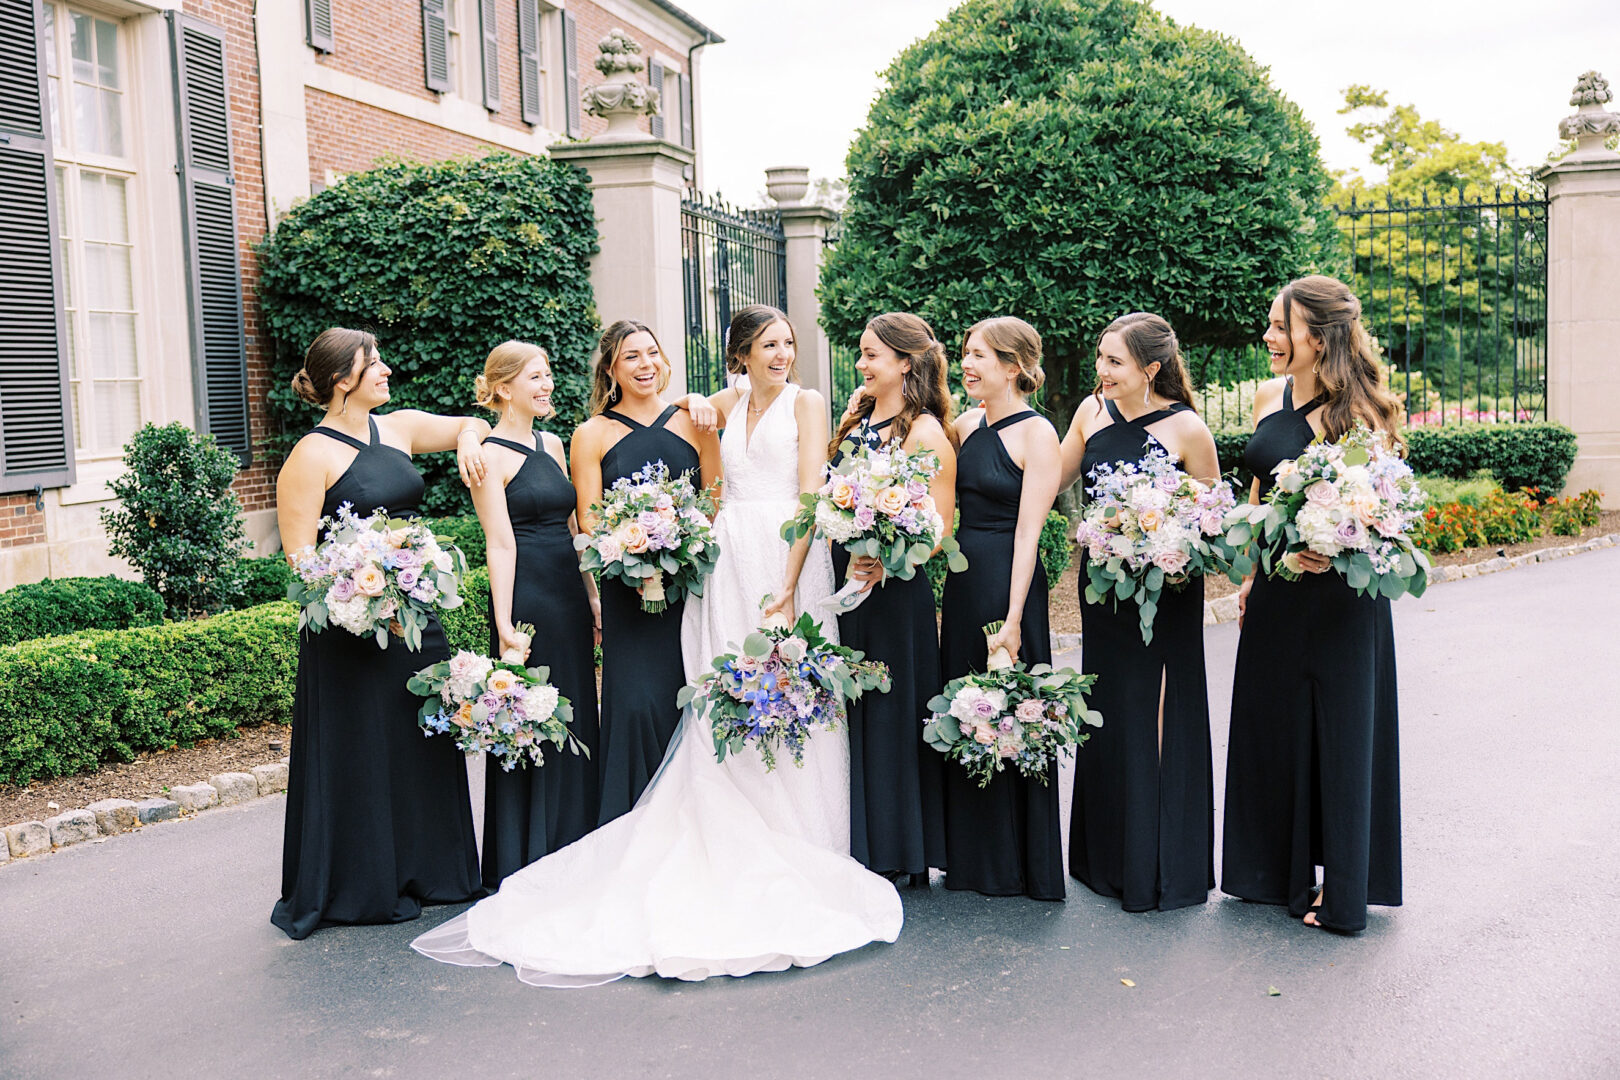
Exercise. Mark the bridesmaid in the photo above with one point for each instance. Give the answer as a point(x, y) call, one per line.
point(1142, 828)
point(632, 426)
point(1312, 765)
point(1004, 839)
point(896, 782)
point(378, 818)
point(526, 507)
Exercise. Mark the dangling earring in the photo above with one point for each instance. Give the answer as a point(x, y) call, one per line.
point(1147, 394)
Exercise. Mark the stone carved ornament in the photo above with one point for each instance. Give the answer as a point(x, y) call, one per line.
point(1592, 121)
point(621, 97)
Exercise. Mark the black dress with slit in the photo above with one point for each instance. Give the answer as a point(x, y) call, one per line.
point(531, 811)
point(1005, 839)
point(896, 802)
point(378, 817)
point(641, 651)
point(1142, 828)
point(1313, 761)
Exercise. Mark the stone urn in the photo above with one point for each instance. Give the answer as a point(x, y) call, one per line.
point(1592, 124)
point(787, 184)
point(622, 98)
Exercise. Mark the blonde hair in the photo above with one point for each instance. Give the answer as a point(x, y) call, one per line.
point(1016, 344)
point(605, 393)
point(504, 363)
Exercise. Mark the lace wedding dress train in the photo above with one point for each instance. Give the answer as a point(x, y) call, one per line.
point(719, 869)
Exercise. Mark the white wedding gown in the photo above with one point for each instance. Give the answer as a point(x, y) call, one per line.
point(719, 869)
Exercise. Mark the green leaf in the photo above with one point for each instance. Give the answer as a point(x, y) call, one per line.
point(757, 645)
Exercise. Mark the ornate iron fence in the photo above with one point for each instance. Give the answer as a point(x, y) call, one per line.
point(1456, 291)
point(730, 258)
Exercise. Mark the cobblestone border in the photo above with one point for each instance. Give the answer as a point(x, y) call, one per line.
point(109, 817)
point(1226, 608)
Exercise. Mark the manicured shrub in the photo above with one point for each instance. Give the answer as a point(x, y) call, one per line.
point(1068, 161)
point(467, 626)
point(64, 605)
point(264, 579)
point(443, 261)
point(177, 520)
point(1519, 455)
point(75, 701)
point(466, 532)
point(1473, 491)
point(1056, 553)
point(1229, 444)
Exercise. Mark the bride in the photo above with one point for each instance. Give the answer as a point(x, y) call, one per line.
point(720, 869)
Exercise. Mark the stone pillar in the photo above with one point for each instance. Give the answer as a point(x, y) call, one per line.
point(1583, 291)
point(806, 229)
point(636, 186)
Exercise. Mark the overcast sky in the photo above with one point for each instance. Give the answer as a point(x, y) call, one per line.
point(794, 79)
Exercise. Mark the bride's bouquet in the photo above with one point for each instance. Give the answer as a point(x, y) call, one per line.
point(785, 684)
point(1354, 501)
point(652, 533)
point(497, 707)
point(1148, 527)
point(375, 574)
point(1010, 713)
point(875, 502)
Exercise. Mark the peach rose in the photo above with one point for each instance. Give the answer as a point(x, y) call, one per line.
point(500, 681)
point(843, 495)
point(892, 500)
point(370, 581)
point(635, 538)
point(1150, 519)
point(463, 716)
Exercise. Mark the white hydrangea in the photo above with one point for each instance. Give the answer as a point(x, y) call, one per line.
point(353, 615)
point(834, 525)
point(539, 702)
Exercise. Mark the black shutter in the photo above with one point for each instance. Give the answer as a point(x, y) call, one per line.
point(571, 73)
point(491, 53)
point(208, 216)
point(36, 433)
point(435, 46)
point(688, 128)
point(529, 89)
point(318, 25)
point(655, 79)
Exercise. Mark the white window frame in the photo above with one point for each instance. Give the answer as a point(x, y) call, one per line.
point(74, 163)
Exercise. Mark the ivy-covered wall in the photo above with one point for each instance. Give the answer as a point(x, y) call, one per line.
point(442, 261)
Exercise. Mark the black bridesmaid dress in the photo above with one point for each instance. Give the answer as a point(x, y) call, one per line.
point(378, 817)
point(1005, 839)
point(1312, 763)
point(1142, 828)
point(530, 812)
point(641, 652)
point(896, 799)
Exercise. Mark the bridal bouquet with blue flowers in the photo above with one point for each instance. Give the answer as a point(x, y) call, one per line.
point(786, 683)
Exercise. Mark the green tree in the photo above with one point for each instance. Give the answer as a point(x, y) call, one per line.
point(1448, 269)
point(1068, 161)
point(443, 261)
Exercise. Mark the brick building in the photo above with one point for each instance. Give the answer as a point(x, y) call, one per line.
point(146, 147)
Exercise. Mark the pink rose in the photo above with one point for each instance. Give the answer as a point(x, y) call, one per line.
point(1172, 561)
point(1322, 493)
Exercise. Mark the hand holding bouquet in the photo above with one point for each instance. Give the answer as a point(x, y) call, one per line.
point(1149, 526)
point(875, 502)
point(495, 707)
point(1353, 501)
point(652, 533)
point(1010, 713)
point(784, 685)
point(375, 573)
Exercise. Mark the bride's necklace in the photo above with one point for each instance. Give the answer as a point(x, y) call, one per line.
point(755, 409)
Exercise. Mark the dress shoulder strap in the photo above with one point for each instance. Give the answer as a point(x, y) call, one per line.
point(1113, 411)
point(498, 441)
point(614, 414)
point(348, 440)
point(1288, 393)
point(1008, 421)
point(663, 417)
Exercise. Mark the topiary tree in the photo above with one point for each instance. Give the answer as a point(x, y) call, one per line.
point(442, 261)
point(1068, 161)
point(177, 520)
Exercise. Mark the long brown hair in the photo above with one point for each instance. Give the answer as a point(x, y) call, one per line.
point(1347, 367)
point(1149, 339)
point(605, 393)
point(923, 389)
point(328, 361)
point(746, 327)
point(1016, 344)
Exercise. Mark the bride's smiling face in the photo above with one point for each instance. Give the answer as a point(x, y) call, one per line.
point(770, 356)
